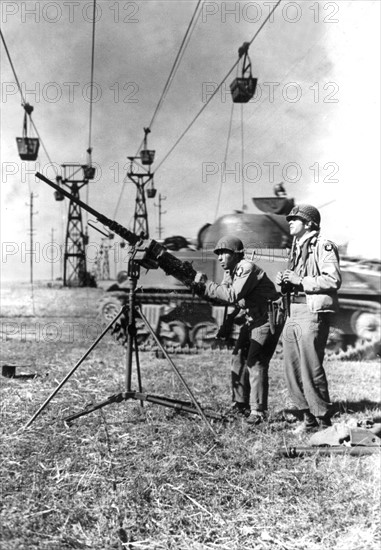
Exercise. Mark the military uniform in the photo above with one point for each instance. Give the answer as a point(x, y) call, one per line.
point(248, 287)
point(313, 302)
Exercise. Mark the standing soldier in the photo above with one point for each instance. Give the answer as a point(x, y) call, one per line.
point(246, 286)
point(311, 282)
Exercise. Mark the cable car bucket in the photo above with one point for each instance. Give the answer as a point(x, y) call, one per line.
point(88, 169)
point(243, 88)
point(27, 146)
point(57, 194)
point(147, 156)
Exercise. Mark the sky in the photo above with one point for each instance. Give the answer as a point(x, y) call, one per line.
point(313, 123)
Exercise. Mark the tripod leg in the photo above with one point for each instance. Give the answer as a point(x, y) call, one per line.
point(138, 367)
point(74, 369)
point(190, 393)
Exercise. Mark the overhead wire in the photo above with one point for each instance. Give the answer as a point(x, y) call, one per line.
point(92, 76)
point(173, 71)
point(242, 161)
point(24, 103)
point(225, 159)
point(90, 149)
point(215, 91)
point(176, 64)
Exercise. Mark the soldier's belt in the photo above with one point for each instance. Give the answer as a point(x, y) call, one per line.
point(298, 299)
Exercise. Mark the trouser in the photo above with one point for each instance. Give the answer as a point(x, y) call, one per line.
point(305, 336)
point(250, 367)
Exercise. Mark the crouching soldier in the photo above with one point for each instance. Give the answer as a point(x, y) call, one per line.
point(246, 286)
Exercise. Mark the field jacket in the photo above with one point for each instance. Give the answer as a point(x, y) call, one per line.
point(321, 274)
point(248, 287)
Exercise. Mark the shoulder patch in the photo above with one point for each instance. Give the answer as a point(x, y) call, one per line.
point(244, 268)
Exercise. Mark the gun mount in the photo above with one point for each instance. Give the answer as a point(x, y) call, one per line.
point(149, 253)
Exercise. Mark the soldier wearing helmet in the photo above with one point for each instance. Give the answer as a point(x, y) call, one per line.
point(311, 281)
point(246, 286)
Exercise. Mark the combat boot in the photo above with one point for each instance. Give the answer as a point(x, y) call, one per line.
point(239, 409)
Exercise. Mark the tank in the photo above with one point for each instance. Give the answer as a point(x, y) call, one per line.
point(358, 322)
point(184, 321)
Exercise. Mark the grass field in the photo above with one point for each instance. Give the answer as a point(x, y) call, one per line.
point(151, 478)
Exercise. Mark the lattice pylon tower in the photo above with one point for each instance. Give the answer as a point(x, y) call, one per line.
point(75, 254)
point(140, 215)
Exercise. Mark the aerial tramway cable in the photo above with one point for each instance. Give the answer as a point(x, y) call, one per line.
point(177, 61)
point(90, 149)
point(215, 91)
point(242, 162)
point(225, 159)
point(175, 66)
point(25, 104)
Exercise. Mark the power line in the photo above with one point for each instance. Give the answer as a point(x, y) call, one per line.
point(215, 91)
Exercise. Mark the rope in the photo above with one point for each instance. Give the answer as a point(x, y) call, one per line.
point(216, 90)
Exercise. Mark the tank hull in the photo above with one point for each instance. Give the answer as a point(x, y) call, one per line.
point(182, 319)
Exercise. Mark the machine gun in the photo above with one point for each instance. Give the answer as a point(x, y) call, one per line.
point(339, 440)
point(149, 253)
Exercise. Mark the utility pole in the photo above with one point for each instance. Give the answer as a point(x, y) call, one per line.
point(51, 247)
point(31, 232)
point(159, 206)
point(105, 269)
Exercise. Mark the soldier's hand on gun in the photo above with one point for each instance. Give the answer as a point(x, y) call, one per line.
point(200, 277)
point(291, 277)
point(222, 333)
point(198, 283)
point(279, 278)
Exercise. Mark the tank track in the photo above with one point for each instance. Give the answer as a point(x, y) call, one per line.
point(362, 351)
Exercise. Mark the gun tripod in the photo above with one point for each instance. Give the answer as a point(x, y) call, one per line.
point(131, 310)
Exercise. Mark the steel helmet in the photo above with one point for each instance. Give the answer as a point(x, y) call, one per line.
point(306, 212)
point(231, 243)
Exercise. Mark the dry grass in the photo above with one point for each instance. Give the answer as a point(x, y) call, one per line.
point(151, 478)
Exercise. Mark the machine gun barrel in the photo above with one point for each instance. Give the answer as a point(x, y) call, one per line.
point(151, 254)
point(358, 450)
point(123, 232)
